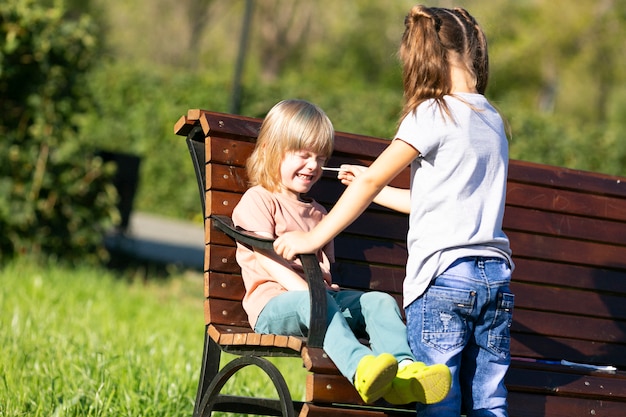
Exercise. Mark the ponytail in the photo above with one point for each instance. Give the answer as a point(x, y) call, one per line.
point(431, 37)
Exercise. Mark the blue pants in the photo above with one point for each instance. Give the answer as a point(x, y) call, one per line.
point(463, 321)
point(351, 315)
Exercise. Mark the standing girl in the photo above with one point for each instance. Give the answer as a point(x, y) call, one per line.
point(294, 142)
point(456, 291)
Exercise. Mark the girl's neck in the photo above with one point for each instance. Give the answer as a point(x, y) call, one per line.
point(462, 80)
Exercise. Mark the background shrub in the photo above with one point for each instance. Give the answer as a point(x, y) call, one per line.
point(57, 196)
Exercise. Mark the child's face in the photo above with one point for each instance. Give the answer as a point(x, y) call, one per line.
point(299, 170)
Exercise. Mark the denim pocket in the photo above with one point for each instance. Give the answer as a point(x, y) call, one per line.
point(445, 317)
point(499, 332)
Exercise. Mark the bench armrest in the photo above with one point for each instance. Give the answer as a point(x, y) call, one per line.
point(312, 272)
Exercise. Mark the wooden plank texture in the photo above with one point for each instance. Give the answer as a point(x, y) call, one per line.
point(540, 405)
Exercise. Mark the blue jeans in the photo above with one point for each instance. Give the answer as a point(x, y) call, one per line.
point(463, 321)
point(351, 315)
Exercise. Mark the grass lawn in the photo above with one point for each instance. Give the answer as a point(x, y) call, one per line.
point(91, 342)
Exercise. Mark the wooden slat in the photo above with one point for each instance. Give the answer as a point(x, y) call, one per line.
point(384, 226)
point(565, 325)
point(539, 346)
point(563, 225)
point(370, 250)
point(572, 276)
point(324, 388)
point(539, 405)
point(314, 410)
point(569, 301)
point(221, 259)
point(296, 343)
point(316, 360)
point(217, 330)
point(570, 202)
point(567, 382)
point(244, 336)
point(564, 178)
point(267, 339)
point(226, 178)
point(194, 114)
point(221, 202)
point(229, 126)
point(328, 189)
point(368, 277)
point(214, 236)
point(359, 146)
point(227, 152)
point(226, 286)
point(567, 250)
point(225, 312)
point(402, 180)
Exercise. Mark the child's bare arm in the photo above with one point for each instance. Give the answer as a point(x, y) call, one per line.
point(281, 272)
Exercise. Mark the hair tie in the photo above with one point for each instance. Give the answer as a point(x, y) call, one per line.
point(424, 12)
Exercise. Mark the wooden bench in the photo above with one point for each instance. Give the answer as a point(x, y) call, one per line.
point(568, 235)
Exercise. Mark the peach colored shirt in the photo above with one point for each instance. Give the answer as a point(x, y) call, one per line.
point(262, 211)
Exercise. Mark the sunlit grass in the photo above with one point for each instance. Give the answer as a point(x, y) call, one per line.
point(86, 342)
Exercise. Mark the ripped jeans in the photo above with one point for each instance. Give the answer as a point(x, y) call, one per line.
point(463, 321)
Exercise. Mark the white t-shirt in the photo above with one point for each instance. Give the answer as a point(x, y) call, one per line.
point(458, 187)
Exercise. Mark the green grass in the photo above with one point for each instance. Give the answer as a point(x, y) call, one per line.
point(89, 342)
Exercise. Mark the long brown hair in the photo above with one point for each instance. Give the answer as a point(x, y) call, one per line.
point(433, 37)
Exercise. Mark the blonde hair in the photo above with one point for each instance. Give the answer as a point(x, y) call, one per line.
point(433, 37)
point(291, 125)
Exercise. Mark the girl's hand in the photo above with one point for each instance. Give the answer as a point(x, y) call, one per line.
point(293, 243)
point(349, 172)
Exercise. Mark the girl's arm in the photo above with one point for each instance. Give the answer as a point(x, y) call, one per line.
point(354, 200)
point(398, 199)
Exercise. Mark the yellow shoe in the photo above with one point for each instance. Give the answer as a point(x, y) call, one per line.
point(374, 375)
point(420, 383)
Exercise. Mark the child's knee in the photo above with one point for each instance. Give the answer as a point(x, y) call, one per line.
point(380, 299)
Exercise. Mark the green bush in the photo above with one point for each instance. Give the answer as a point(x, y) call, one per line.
point(58, 199)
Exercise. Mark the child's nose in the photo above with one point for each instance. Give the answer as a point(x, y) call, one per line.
point(313, 163)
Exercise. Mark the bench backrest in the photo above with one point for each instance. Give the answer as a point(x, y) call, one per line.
point(568, 236)
point(567, 231)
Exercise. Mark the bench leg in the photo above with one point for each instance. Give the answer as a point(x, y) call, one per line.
point(211, 398)
point(210, 367)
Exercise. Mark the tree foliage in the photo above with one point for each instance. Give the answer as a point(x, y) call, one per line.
point(57, 198)
point(558, 72)
point(557, 75)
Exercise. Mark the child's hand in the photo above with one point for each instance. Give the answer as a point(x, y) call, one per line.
point(349, 172)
